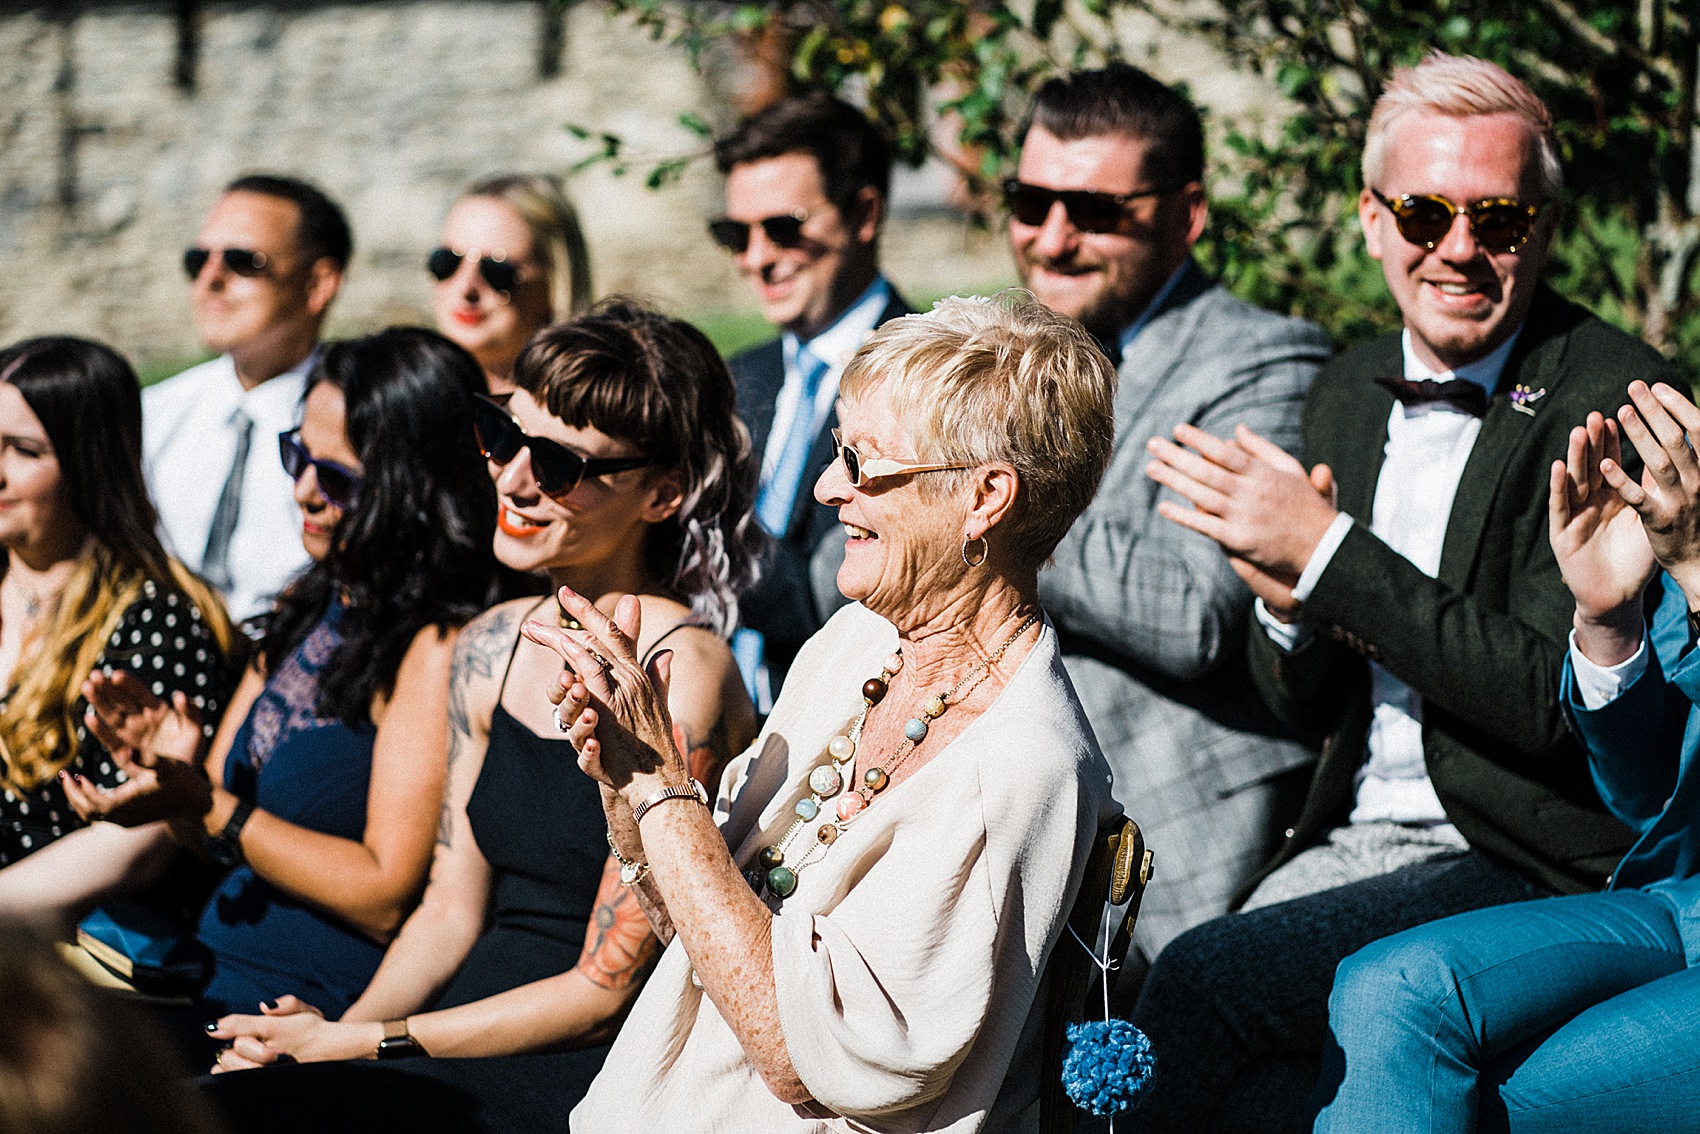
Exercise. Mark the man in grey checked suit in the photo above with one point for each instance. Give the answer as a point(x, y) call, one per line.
point(1106, 205)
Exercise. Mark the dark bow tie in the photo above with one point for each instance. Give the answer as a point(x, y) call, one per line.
point(1460, 393)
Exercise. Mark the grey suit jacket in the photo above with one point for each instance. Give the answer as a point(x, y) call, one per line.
point(1154, 619)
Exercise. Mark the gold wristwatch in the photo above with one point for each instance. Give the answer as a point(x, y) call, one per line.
point(398, 1043)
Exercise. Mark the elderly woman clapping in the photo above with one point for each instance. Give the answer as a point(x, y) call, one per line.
point(858, 924)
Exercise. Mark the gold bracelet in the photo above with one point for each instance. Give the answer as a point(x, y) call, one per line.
point(631, 873)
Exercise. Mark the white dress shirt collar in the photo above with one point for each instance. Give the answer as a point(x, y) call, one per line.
point(833, 346)
point(280, 397)
point(845, 336)
point(1484, 372)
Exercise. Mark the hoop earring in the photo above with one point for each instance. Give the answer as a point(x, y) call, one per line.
point(985, 551)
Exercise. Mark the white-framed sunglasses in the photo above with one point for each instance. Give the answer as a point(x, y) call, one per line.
point(860, 471)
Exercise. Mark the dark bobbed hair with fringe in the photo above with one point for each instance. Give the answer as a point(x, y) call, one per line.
point(657, 383)
point(414, 551)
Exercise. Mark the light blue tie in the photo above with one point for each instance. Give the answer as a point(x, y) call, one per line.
point(776, 501)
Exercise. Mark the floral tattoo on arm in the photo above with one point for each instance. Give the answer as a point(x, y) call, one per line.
point(619, 945)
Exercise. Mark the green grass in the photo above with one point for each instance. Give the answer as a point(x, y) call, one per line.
point(732, 331)
point(158, 369)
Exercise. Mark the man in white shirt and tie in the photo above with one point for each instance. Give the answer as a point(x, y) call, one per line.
point(1411, 617)
point(264, 269)
point(806, 185)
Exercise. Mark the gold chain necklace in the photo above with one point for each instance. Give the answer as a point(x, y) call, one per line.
point(776, 876)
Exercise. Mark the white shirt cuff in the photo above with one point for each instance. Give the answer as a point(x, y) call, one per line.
point(1321, 557)
point(1287, 635)
point(1600, 685)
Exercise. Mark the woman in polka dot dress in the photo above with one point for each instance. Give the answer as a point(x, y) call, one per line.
point(323, 784)
point(87, 587)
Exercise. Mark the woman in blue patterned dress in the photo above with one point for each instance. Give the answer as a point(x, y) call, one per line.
point(619, 466)
point(322, 786)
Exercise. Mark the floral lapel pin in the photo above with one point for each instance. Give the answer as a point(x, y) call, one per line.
point(1523, 399)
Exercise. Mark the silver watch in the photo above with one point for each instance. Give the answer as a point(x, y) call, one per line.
point(695, 791)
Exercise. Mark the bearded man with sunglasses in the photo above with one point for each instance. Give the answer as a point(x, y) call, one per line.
point(1106, 204)
point(1412, 617)
point(806, 185)
point(263, 271)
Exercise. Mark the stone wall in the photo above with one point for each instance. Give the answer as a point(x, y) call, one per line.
point(114, 141)
point(107, 165)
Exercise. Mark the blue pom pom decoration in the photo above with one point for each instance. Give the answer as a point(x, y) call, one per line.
point(1108, 1066)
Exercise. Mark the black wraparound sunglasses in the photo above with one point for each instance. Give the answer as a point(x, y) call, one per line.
point(556, 468)
point(785, 230)
point(499, 274)
point(337, 483)
point(242, 261)
point(1087, 210)
point(1499, 224)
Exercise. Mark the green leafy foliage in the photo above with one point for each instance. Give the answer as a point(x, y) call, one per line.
point(954, 77)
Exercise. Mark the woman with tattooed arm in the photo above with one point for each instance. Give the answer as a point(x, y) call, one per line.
point(620, 467)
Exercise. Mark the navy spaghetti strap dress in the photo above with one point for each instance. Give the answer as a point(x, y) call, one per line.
point(539, 823)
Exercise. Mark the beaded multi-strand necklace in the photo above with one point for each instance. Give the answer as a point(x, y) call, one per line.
point(777, 876)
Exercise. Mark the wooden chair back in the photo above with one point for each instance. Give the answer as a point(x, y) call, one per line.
point(1116, 871)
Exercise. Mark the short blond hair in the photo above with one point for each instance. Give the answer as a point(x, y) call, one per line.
point(1000, 379)
point(542, 204)
point(1460, 86)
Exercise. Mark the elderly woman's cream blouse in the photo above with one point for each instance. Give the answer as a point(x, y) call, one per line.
point(908, 960)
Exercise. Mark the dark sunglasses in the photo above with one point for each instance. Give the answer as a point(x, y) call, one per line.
point(860, 470)
point(556, 468)
point(734, 236)
point(1087, 210)
point(1499, 224)
point(337, 483)
point(242, 261)
point(499, 274)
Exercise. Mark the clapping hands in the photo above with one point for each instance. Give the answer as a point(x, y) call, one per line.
point(611, 706)
point(156, 744)
point(1609, 532)
point(1253, 498)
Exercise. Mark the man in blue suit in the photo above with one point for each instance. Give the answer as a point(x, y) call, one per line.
point(1583, 1012)
point(806, 185)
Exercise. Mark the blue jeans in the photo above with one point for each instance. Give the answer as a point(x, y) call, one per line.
point(1576, 1015)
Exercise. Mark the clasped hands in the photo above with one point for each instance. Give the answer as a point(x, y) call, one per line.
point(1252, 497)
point(289, 1030)
point(611, 706)
point(157, 744)
point(1610, 533)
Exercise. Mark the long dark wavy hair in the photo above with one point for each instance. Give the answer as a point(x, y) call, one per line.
point(658, 383)
point(90, 406)
point(414, 551)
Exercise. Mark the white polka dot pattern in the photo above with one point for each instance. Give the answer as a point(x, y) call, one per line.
point(186, 661)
